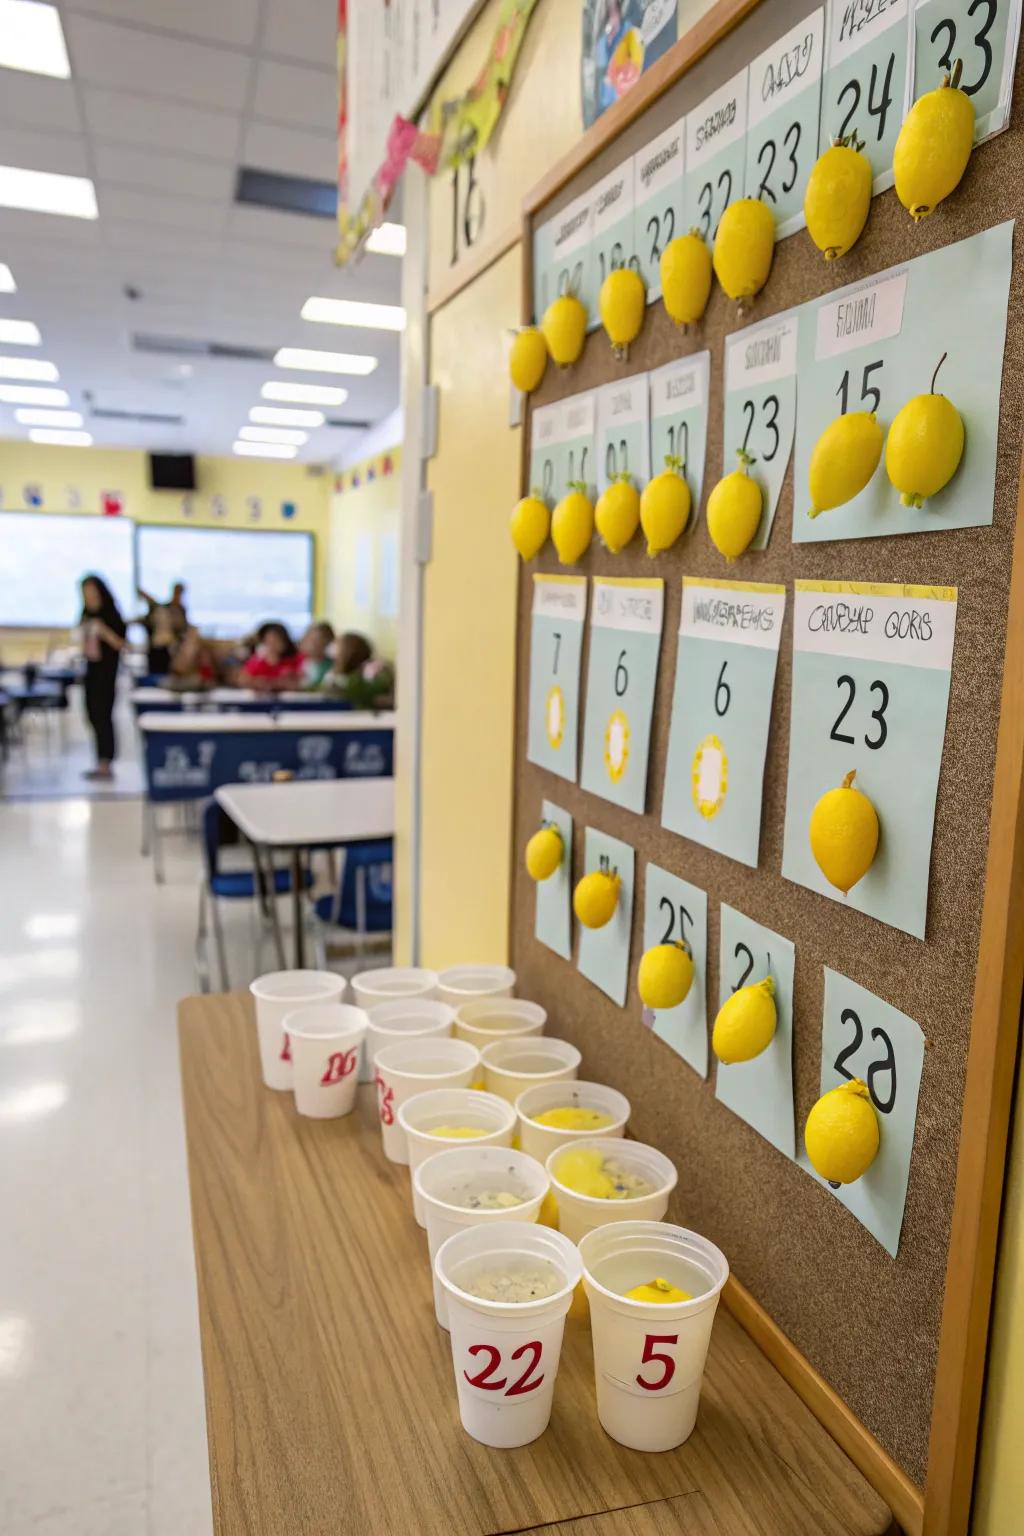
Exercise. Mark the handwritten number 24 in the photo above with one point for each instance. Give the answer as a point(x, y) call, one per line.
point(877, 104)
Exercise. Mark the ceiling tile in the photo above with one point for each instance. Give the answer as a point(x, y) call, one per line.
point(301, 29)
point(145, 168)
point(140, 120)
point(38, 102)
point(103, 53)
point(190, 213)
point(225, 21)
point(259, 224)
point(47, 229)
point(291, 93)
point(290, 151)
point(64, 153)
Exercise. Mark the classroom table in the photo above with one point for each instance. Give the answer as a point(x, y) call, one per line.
point(295, 816)
point(330, 1398)
point(242, 700)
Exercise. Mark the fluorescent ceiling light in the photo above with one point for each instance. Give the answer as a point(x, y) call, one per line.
point(28, 394)
point(273, 435)
point(31, 39)
point(7, 283)
point(324, 362)
point(30, 418)
point(264, 450)
point(20, 333)
point(274, 416)
point(375, 317)
point(387, 240)
point(312, 394)
point(62, 439)
point(28, 368)
point(47, 192)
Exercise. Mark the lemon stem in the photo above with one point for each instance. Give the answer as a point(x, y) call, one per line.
point(578, 485)
point(954, 79)
point(745, 459)
point(848, 781)
point(938, 365)
point(673, 462)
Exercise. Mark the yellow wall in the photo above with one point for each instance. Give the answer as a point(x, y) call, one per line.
point(363, 523)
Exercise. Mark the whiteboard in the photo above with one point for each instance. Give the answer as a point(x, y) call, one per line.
point(43, 557)
point(235, 578)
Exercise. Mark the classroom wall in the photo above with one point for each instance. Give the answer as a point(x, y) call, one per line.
point(362, 550)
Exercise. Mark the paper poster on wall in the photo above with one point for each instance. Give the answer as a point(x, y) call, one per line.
point(866, 84)
point(611, 226)
point(604, 952)
point(866, 1038)
point(983, 35)
point(579, 442)
point(729, 634)
point(619, 43)
point(679, 421)
point(878, 344)
point(547, 466)
point(556, 646)
point(871, 668)
point(362, 584)
point(659, 191)
point(716, 137)
point(760, 1091)
point(623, 432)
point(677, 912)
point(625, 639)
point(553, 916)
point(782, 121)
point(562, 260)
point(760, 408)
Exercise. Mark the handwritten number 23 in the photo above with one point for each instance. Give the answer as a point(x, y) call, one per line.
point(947, 27)
point(877, 687)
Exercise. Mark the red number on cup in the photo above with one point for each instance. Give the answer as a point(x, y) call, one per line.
point(339, 1065)
point(386, 1100)
point(286, 1047)
point(534, 1348)
point(480, 1379)
point(524, 1384)
point(650, 1353)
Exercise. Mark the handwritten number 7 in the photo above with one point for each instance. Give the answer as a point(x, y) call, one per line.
point(558, 647)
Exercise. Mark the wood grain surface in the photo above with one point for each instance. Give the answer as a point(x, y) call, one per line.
point(330, 1401)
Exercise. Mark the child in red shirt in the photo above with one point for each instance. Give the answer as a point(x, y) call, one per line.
point(275, 663)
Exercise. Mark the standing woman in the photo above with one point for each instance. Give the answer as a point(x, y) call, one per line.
point(103, 632)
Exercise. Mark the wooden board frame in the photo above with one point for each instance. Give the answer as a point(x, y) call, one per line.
point(942, 1507)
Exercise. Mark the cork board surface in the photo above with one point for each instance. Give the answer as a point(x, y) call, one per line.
point(869, 1324)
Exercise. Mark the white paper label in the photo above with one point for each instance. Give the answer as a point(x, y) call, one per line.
point(560, 597)
point(719, 121)
point(743, 612)
point(579, 416)
point(571, 229)
point(547, 427)
point(911, 626)
point(628, 605)
point(622, 404)
point(612, 199)
point(860, 21)
point(762, 354)
point(661, 164)
point(790, 66)
point(871, 312)
point(678, 386)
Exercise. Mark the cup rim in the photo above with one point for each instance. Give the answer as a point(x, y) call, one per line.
point(504, 976)
point(478, 1096)
point(430, 1043)
point(615, 1144)
point(262, 987)
point(525, 1309)
point(478, 1216)
point(488, 1007)
point(406, 1007)
point(368, 980)
point(577, 1083)
point(649, 1228)
point(559, 1062)
point(356, 1030)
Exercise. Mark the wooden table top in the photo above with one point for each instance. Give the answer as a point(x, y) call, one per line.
point(330, 1399)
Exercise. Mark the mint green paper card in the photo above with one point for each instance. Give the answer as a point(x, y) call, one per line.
point(716, 141)
point(565, 253)
point(759, 1091)
point(604, 952)
point(729, 634)
point(863, 1037)
point(625, 641)
point(547, 458)
point(677, 912)
point(659, 184)
point(760, 408)
point(579, 437)
point(870, 689)
point(867, 79)
point(556, 649)
point(611, 214)
point(679, 422)
point(983, 35)
point(624, 432)
point(874, 346)
point(553, 916)
point(543, 242)
point(782, 121)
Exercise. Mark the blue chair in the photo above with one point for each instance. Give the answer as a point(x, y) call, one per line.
point(363, 903)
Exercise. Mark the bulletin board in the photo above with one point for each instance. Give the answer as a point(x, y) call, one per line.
point(899, 1353)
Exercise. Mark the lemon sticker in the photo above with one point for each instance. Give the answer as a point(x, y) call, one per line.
point(554, 716)
point(616, 745)
point(709, 776)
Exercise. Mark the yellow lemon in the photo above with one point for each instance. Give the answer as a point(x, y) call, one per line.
point(844, 835)
point(596, 896)
point(565, 329)
point(621, 303)
point(838, 197)
point(924, 446)
point(617, 513)
point(547, 1216)
point(530, 524)
point(583, 1170)
point(744, 247)
point(746, 1022)
point(572, 524)
point(665, 507)
point(527, 359)
point(544, 853)
point(841, 1134)
point(685, 268)
point(843, 460)
point(665, 976)
point(734, 510)
point(933, 147)
point(659, 1291)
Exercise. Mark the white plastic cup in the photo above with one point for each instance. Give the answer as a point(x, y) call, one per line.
point(279, 993)
point(495, 1018)
point(412, 1066)
point(505, 1354)
point(462, 983)
point(387, 985)
point(439, 1179)
point(512, 1066)
point(541, 1140)
point(496, 1122)
point(579, 1214)
point(407, 1019)
point(649, 1356)
point(326, 1041)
